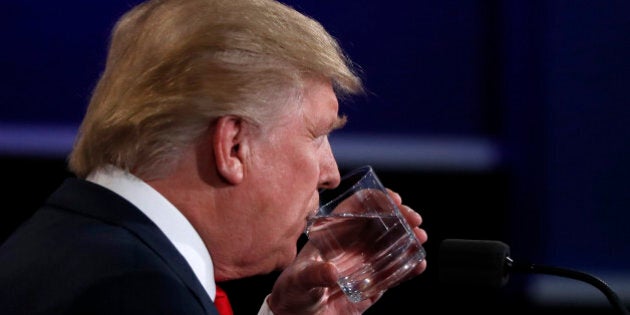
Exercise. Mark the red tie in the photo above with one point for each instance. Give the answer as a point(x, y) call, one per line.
point(222, 303)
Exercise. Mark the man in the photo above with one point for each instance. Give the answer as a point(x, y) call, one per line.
point(199, 158)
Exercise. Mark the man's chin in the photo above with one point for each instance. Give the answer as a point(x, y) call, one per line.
point(288, 259)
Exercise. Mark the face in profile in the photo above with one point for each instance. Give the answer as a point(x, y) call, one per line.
point(290, 163)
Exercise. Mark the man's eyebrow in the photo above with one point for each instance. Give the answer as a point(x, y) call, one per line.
point(338, 123)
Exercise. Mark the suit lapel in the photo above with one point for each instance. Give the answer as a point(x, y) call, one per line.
point(92, 200)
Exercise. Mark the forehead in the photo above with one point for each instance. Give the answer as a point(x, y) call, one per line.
point(319, 105)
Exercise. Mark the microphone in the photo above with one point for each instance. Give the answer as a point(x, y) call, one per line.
point(488, 263)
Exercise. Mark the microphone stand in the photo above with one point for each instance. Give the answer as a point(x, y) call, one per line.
point(488, 263)
point(612, 297)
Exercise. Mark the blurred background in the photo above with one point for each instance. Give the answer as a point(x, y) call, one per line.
point(500, 120)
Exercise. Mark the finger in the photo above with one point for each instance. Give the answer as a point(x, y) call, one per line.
point(395, 196)
point(412, 217)
point(421, 267)
point(421, 235)
point(319, 274)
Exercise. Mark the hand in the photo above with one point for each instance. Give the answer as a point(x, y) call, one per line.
point(309, 284)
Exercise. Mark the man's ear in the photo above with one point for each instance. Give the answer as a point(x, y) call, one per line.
point(228, 148)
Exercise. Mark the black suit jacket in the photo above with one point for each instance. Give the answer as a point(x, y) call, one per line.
point(89, 251)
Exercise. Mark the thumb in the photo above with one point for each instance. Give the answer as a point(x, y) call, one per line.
point(319, 274)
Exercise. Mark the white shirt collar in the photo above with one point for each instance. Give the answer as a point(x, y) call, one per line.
point(164, 214)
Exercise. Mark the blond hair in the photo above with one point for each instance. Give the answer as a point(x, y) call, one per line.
point(174, 66)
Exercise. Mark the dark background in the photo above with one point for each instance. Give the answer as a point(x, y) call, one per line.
point(504, 120)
